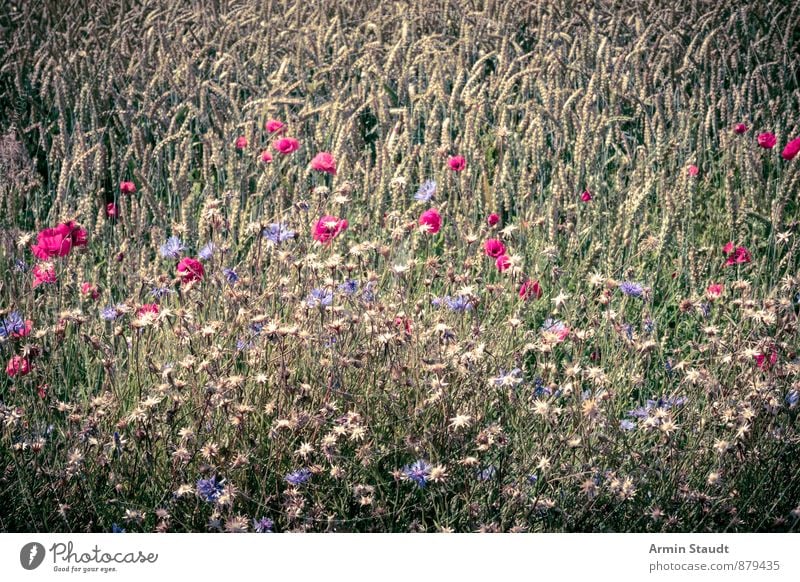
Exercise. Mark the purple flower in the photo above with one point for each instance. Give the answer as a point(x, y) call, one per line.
point(320, 298)
point(160, 292)
point(207, 252)
point(487, 474)
point(230, 276)
point(368, 294)
point(12, 324)
point(426, 191)
point(627, 425)
point(511, 378)
point(298, 477)
point(418, 472)
point(209, 489)
point(458, 304)
point(110, 313)
point(277, 233)
point(263, 525)
point(631, 289)
point(349, 287)
point(173, 248)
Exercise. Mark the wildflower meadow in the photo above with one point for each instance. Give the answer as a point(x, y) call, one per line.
point(417, 266)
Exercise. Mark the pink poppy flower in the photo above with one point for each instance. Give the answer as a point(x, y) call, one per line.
point(327, 228)
point(738, 256)
point(79, 237)
point(273, 126)
point(766, 140)
point(693, 170)
point(792, 149)
point(403, 323)
point(190, 269)
point(43, 273)
point(111, 210)
point(493, 219)
point(127, 187)
point(147, 308)
point(75, 232)
point(728, 248)
point(530, 290)
point(714, 291)
point(90, 290)
point(431, 221)
point(286, 145)
point(457, 163)
point(324, 162)
point(241, 142)
point(494, 248)
point(503, 262)
point(18, 366)
point(52, 242)
point(764, 363)
point(266, 157)
point(740, 128)
point(562, 334)
point(586, 196)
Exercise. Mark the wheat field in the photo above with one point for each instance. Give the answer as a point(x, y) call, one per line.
point(417, 266)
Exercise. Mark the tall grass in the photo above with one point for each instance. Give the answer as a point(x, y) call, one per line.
point(121, 423)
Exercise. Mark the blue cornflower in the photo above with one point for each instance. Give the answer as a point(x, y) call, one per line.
point(110, 313)
point(667, 402)
point(173, 248)
point(640, 412)
point(242, 345)
point(532, 479)
point(705, 308)
point(553, 325)
point(207, 251)
point(628, 331)
point(487, 474)
point(20, 266)
point(263, 525)
point(349, 287)
point(664, 403)
point(419, 472)
point(539, 387)
point(627, 425)
point(160, 292)
point(230, 276)
point(298, 477)
point(368, 294)
point(459, 304)
point(210, 489)
point(631, 289)
point(648, 325)
point(278, 232)
point(792, 398)
point(12, 324)
point(426, 191)
point(511, 378)
point(116, 529)
point(320, 298)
